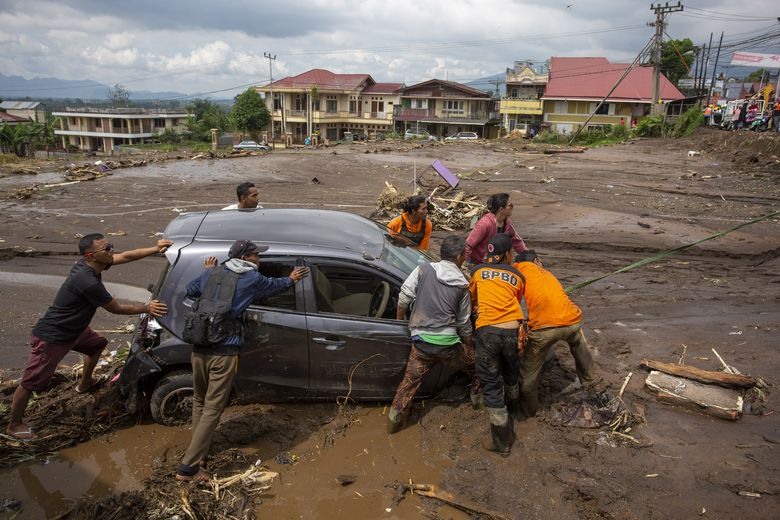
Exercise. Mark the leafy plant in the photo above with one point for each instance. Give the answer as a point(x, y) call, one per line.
point(650, 126)
point(689, 121)
point(249, 113)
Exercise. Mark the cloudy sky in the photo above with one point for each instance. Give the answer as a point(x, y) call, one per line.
point(205, 47)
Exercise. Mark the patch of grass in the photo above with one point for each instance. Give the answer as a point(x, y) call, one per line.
point(689, 121)
point(6, 158)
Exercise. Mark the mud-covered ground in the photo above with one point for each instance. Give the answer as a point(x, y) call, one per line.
point(586, 214)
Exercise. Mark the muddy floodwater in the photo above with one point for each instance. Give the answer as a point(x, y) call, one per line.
point(586, 214)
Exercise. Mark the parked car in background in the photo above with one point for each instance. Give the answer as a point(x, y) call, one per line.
point(463, 136)
point(414, 133)
point(334, 333)
point(252, 146)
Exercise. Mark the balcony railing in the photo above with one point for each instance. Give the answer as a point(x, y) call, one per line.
point(412, 114)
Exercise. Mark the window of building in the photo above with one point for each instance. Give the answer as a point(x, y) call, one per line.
point(603, 109)
point(331, 106)
point(419, 103)
point(159, 123)
point(453, 105)
point(332, 134)
point(277, 101)
point(352, 106)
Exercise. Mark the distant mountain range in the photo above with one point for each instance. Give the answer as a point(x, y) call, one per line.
point(16, 87)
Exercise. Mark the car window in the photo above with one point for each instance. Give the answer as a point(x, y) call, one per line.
point(401, 253)
point(353, 291)
point(285, 300)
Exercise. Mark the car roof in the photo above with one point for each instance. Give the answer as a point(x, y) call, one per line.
point(297, 231)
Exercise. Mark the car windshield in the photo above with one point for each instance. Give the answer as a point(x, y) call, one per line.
point(400, 252)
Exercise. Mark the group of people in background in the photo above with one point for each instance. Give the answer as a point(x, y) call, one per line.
point(466, 311)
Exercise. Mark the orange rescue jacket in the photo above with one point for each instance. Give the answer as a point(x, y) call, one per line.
point(496, 293)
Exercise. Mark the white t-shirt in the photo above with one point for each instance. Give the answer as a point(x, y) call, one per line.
point(235, 206)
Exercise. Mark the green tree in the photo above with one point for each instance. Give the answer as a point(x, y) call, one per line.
point(249, 113)
point(206, 115)
point(677, 56)
point(18, 139)
point(756, 75)
point(118, 96)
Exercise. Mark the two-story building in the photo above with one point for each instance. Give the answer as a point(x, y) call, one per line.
point(34, 111)
point(320, 102)
point(577, 85)
point(523, 100)
point(102, 129)
point(444, 108)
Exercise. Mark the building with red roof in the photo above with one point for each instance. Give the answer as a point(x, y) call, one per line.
point(320, 102)
point(445, 108)
point(577, 85)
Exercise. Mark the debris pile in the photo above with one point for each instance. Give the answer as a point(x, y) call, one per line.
point(63, 417)
point(455, 211)
point(233, 492)
point(727, 394)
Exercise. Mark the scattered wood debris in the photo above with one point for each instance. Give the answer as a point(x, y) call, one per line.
point(712, 400)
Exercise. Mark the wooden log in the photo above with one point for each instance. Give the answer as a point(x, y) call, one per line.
point(712, 400)
point(704, 376)
point(431, 491)
point(563, 150)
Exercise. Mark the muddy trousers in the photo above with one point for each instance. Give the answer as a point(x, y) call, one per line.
point(497, 362)
point(212, 380)
point(539, 344)
point(420, 362)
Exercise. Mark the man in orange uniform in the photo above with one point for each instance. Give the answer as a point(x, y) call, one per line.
point(552, 316)
point(412, 222)
point(496, 292)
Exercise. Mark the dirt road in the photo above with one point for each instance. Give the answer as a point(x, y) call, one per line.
point(586, 214)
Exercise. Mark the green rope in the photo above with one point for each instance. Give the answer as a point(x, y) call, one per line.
point(668, 252)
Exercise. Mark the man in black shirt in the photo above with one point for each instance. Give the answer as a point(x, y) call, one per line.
point(65, 326)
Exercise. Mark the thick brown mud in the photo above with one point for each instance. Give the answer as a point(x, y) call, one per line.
point(586, 214)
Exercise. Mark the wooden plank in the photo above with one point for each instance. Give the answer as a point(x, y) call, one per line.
point(704, 376)
point(712, 400)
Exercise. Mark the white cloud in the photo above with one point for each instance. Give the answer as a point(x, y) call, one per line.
point(196, 47)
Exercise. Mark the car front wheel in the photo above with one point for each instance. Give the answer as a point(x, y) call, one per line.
point(171, 402)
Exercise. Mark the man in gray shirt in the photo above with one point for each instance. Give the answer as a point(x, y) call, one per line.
point(440, 325)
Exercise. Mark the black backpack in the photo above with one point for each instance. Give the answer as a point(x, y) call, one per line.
point(208, 322)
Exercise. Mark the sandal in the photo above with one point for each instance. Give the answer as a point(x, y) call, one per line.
point(201, 476)
point(25, 435)
point(96, 383)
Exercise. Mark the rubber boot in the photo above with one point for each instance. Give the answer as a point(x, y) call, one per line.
point(500, 440)
point(477, 401)
point(393, 421)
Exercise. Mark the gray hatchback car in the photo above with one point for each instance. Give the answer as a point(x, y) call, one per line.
point(333, 334)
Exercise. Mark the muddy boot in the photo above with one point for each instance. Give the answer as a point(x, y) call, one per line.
point(500, 440)
point(477, 401)
point(394, 421)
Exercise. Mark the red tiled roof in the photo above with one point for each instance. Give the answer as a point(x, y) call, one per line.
point(8, 118)
point(592, 78)
point(383, 88)
point(322, 79)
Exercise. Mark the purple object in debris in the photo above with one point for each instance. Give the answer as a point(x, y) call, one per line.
point(445, 173)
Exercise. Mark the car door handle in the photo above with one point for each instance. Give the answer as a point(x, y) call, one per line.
point(330, 344)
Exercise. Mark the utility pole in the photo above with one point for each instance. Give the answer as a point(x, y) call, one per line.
point(706, 67)
point(699, 70)
point(660, 12)
point(712, 81)
point(271, 59)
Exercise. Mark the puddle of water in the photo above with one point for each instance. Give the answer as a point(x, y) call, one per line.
point(114, 463)
point(309, 489)
point(122, 460)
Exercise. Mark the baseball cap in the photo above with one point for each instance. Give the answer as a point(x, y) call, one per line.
point(244, 247)
point(499, 245)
